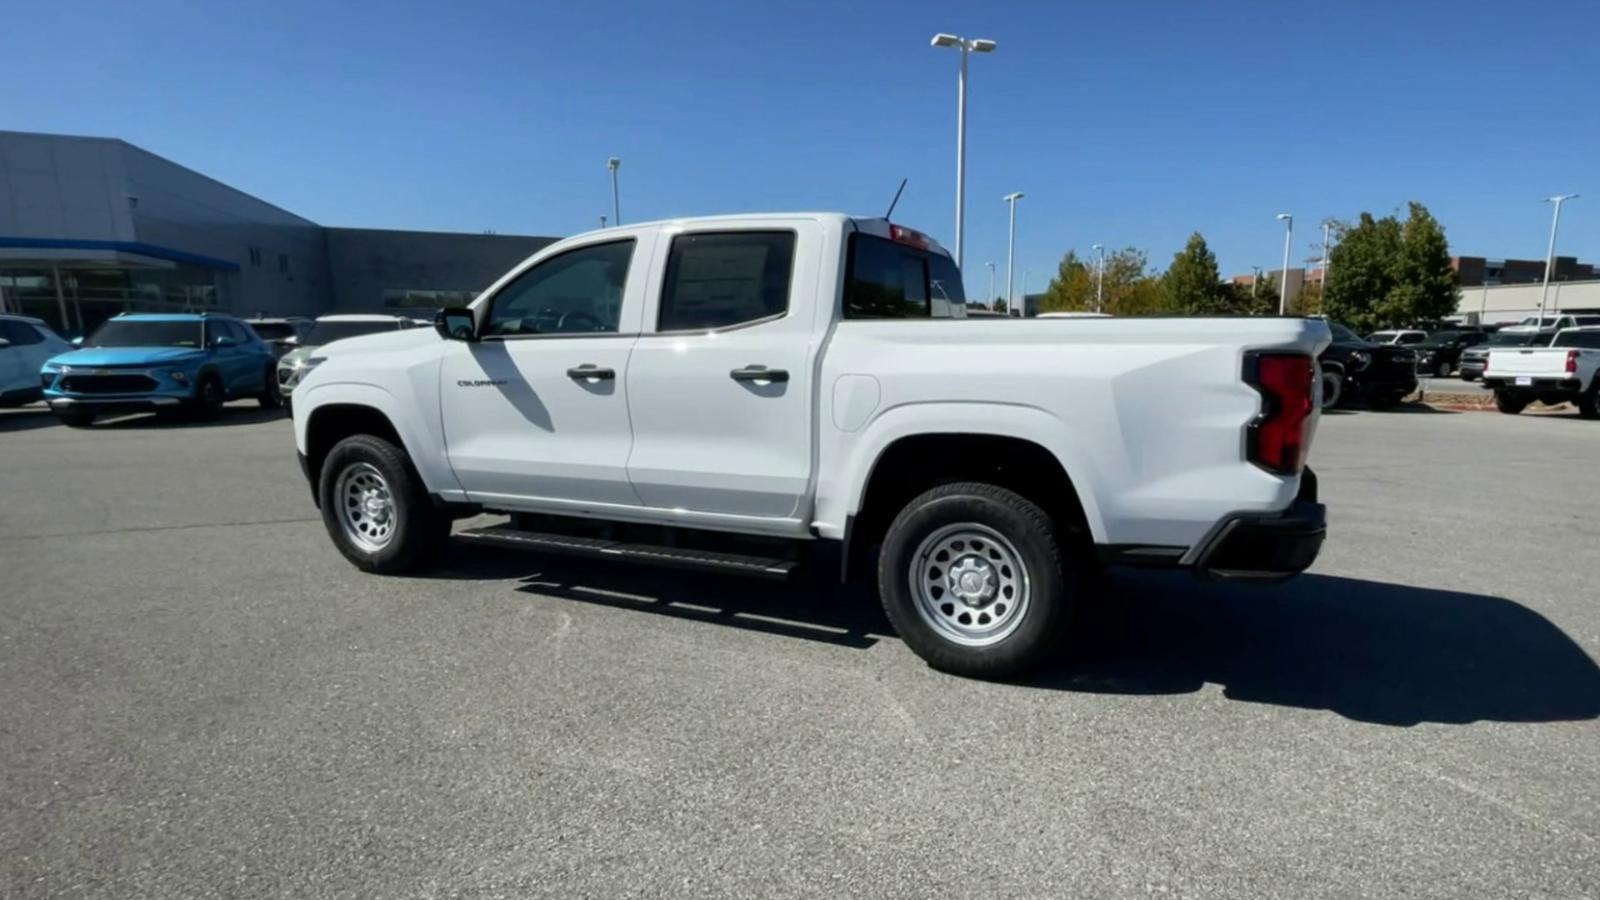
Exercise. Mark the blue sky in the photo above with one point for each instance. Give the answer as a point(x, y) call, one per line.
point(1125, 123)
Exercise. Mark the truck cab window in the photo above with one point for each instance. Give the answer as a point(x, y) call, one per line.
point(715, 280)
point(578, 292)
point(894, 281)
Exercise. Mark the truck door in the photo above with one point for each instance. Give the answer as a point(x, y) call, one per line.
point(720, 385)
point(535, 413)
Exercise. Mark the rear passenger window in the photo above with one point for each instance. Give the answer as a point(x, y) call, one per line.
point(893, 281)
point(715, 280)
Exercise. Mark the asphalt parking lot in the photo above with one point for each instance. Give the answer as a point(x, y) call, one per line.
point(200, 697)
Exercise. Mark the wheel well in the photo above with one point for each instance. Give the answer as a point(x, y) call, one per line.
point(333, 423)
point(914, 464)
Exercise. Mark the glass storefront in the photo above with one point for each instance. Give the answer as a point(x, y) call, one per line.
point(76, 298)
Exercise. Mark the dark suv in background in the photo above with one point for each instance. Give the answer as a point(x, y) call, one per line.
point(1441, 352)
point(1354, 368)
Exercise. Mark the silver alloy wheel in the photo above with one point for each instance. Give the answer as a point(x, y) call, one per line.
point(969, 584)
point(366, 507)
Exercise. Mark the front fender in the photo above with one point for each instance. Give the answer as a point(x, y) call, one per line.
point(421, 443)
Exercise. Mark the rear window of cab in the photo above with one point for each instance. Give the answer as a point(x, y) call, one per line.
point(895, 281)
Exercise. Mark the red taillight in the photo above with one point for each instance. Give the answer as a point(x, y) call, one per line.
point(1277, 437)
point(1572, 362)
point(903, 235)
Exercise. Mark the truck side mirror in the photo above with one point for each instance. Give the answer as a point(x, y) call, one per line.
point(456, 323)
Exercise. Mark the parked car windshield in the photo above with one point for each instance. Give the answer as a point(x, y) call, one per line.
point(1519, 339)
point(273, 331)
point(146, 333)
point(1341, 333)
point(328, 332)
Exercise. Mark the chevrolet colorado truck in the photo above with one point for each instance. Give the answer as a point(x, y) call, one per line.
point(743, 392)
point(1567, 371)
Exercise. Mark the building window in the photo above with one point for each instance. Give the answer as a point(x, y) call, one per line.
point(255, 256)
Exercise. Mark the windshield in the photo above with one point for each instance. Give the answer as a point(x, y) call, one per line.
point(328, 332)
point(1341, 333)
point(273, 331)
point(1383, 337)
point(1445, 337)
point(145, 333)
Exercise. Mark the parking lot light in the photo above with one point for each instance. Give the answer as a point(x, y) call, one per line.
point(1550, 254)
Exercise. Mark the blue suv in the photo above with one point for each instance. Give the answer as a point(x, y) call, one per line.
point(160, 362)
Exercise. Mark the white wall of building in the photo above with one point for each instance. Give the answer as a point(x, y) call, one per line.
point(1499, 304)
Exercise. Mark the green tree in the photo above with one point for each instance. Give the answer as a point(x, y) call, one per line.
point(1072, 288)
point(1146, 296)
point(1194, 285)
point(1000, 304)
point(1259, 299)
point(1384, 273)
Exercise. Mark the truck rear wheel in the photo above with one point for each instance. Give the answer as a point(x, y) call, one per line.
point(1509, 403)
point(973, 579)
point(375, 507)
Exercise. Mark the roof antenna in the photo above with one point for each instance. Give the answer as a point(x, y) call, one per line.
point(896, 201)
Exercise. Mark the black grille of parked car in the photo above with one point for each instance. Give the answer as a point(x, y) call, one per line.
point(107, 384)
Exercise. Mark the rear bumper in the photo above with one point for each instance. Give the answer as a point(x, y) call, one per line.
point(1265, 548)
point(1246, 547)
point(1536, 384)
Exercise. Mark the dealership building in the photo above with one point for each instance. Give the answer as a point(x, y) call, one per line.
point(90, 227)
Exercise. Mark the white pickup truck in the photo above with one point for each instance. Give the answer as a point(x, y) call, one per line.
point(1565, 372)
point(741, 392)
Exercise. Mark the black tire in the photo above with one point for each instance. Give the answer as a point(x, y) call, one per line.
point(1332, 389)
point(1588, 402)
point(209, 397)
point(1466, 376)
point(1055, 576)
point(270, 397)
point(73, 418)
point(1509, 403)
point(416, 532)
point(1442, 370)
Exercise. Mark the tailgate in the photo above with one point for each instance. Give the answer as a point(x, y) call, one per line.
point(1511, 361)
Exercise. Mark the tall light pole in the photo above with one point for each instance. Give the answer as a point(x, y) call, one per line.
point(1550, 254)
point(989, 301)
point(1327, 230)
point(1283, 284)
point(1100, 278)
point(615, 163)
point(967, 47)
point(1011, 248)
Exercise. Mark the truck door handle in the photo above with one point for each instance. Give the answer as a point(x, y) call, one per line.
point(590, 370)
point(759, 373)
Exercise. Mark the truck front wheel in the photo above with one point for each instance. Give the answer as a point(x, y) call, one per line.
point(375, 507)
point(973, 579)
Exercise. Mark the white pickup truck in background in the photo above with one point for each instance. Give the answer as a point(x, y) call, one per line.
point(1565, 372)
point(740, 392)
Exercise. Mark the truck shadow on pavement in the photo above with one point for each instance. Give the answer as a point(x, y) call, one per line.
point(1386, 654)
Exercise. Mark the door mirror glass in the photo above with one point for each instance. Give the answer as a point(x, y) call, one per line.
point(77, 341)
point(456, 323)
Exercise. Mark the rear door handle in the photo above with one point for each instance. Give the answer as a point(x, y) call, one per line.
point(759, 373)
point(590, 370)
